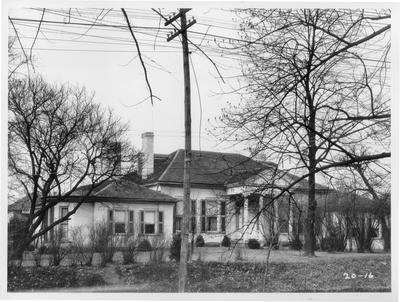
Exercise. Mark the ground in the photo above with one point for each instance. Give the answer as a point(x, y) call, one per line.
point(289, 271)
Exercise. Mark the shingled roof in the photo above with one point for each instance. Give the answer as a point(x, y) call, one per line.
point(124, 188)
point(207, 168)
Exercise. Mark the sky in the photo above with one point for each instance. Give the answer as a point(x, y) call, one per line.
point(104, 60)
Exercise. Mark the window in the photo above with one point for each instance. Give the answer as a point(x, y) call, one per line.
point(193, 216)
point(64, 224)
point(223, 213)
point(130, 222)
point(203, 215)
point(209, 211)
point(110, 221)
point(212, 224)
point(119, 222)
point(160, 222)
point(148, 222)
point(178, 223)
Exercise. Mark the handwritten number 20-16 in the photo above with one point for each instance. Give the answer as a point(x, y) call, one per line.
point(353, 276)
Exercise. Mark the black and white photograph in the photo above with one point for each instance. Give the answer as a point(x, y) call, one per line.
point(199, 147)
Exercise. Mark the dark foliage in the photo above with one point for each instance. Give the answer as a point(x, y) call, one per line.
point(245, 277)
point(144, 246)
point(253, 244)
point(226, 241)
point(295, 243)
point(50, 277)
point(16, 234)
point(333, 243)
point(199, 241)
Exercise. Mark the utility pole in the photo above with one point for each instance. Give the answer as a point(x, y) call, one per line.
point(188, 145)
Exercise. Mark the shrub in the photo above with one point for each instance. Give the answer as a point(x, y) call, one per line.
point(199, 241)
point(80, 252)
point(175, 249)
point(295, 243)
point(129, 252)
point(102, 241)
point(158, 251)
point(57, 247)
point(333, 243)
point(253, 244)
point(144, 246)
point(226, 241)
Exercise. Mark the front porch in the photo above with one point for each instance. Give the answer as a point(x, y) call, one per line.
point(256, 216)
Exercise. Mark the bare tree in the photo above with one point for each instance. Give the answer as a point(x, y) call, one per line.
point(60, 140)
point(311, 95)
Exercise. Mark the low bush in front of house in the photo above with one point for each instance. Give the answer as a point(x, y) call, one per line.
point(102, 241)
point(253, 244)
point(175, 248)
point(199, 241)
point(37, 278)
point(226, 241)
point(129, 252)
point(333, 243)
point(144, 246)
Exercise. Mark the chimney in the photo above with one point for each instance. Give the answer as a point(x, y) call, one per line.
point(147, 164)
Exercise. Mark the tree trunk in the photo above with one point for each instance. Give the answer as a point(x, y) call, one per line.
point(22, 246)
point(385, 234)
point(309, 247)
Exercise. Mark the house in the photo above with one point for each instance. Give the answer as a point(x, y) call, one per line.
point(223, 201)
point(228, 192)
point(128, 209)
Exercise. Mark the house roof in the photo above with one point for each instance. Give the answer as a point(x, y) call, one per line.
point(124, 188)
point(216, 169)
point(21, 205)
point(207, 168)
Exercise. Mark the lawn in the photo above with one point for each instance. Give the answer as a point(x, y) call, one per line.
point(366, 272)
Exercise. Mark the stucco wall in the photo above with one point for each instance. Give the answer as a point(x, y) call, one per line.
point(90, 213)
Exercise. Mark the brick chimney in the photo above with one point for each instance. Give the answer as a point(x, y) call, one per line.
point(147, 162)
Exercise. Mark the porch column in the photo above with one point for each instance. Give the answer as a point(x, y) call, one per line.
point(380, 231)
point(246, 217)
point(290, 222)
point(323, 228)
point(276, 218)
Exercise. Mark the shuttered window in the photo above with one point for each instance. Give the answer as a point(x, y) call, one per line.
point(160, 222)
point(223, 213)
point(131, 222)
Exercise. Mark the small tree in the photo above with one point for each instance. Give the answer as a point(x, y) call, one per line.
point(103, 241)
point(79, 249)
point(59, 140)
point(57, 247)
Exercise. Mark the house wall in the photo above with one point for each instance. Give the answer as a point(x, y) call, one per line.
point(90, 213)
point(197, 194)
